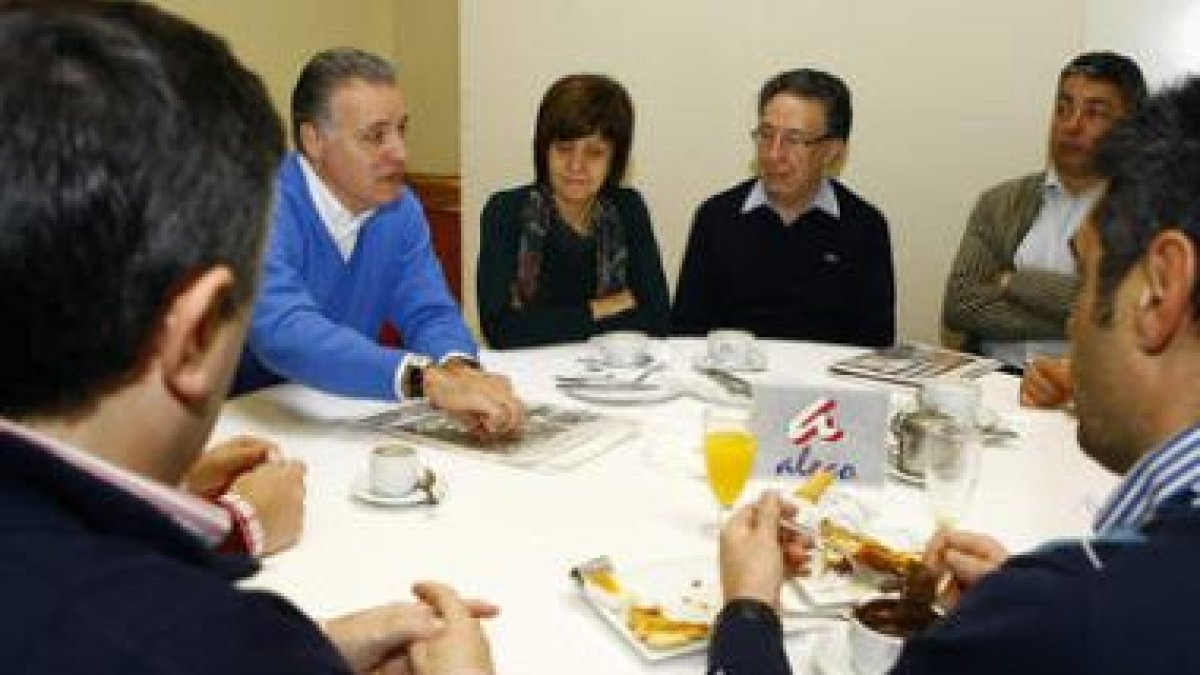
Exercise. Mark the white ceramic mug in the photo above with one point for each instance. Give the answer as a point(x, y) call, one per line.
point(955, 397)
point(728, 348)
point(395, 470)
point(872, 652)
point(622, 349)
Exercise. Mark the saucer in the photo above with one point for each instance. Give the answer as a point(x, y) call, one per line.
point(361, 490)
point(756, 363)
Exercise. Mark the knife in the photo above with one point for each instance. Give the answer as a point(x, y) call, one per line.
point(729, 382)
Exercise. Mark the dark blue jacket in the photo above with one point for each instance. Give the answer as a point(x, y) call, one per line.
point(92, 580)
point(1050, 611)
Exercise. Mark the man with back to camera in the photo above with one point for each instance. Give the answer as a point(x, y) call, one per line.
point(792, 253)
point(350, 251)
point(135, 180)
point(1122, 601)
point(1012, 282)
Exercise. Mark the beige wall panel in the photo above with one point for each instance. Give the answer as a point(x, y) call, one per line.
point(276, 38)
point(427, 55)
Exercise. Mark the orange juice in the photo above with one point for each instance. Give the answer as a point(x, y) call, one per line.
point(729, 456)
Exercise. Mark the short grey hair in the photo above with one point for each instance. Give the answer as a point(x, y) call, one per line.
point(323, 73)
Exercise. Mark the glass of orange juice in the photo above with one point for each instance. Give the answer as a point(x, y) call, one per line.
point(729, 448)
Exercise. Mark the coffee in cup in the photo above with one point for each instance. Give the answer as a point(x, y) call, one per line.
point(395, 470)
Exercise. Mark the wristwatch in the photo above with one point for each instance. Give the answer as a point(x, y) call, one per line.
point(413, 376)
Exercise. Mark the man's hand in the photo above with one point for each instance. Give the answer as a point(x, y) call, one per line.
point(756, 555)
point(482, 401)
point(967, 556)
point(276, 491)
point(1046, 383)
point(613, 304)
point(440, 634)
point(215, 470)
point(461, 647)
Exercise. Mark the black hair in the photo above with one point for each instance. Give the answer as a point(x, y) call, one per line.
point(322, 74)
point(815, 85)
point(580, 105)
point(1152, 163)
point(138, 153)
point(1116, 69)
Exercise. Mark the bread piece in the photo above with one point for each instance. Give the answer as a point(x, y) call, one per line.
point(655, 630)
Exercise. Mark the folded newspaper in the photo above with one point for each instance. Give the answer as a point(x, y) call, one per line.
point(553, 439)
point(910, 363)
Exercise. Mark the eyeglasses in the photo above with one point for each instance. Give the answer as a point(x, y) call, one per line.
point(792, 139)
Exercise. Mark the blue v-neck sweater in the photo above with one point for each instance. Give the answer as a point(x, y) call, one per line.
point(316, 316)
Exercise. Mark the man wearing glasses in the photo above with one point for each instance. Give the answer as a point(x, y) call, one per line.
point(350, 251)
point(792, 253)
point(1013, 279)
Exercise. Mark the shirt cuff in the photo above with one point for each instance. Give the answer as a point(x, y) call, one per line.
point(461, 356)
point(246, 531)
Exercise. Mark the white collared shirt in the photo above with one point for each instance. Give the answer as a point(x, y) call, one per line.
point(825, 199)
point(342, 225)
point(1047, 244)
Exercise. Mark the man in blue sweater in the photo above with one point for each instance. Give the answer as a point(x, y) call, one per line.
point(1124, 600)
point(135, 180)
point(350, 251)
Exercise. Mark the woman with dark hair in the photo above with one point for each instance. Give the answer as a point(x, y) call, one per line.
point(574, 253)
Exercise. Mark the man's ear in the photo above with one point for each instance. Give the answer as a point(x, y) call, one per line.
point(1164, 307)
point(310, 140)
point(189, 336)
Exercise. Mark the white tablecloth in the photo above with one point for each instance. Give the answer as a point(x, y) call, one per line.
point(511, 535)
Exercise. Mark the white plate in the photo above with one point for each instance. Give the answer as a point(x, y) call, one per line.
point(361, 490)
point(686, 588)
point(662, 390)
point(758, 363)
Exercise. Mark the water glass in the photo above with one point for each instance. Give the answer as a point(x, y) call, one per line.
point(952, 455)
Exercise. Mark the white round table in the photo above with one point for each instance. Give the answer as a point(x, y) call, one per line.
point(511, 535)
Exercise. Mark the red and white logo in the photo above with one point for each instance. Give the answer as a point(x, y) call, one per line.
point(815, 422)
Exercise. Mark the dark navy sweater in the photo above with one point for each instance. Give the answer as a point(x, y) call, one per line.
point(1049, 611)
point(821, 278)
point(93, 580)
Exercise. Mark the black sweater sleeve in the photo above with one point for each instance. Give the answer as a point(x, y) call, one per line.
point(747, 640)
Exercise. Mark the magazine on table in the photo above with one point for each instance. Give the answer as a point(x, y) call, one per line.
point(554, 438)
point(910, 363)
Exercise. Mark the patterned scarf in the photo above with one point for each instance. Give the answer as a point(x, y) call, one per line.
point(539, 215)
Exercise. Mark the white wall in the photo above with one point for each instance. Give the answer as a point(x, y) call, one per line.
point(1164, 35)
point(950, 97)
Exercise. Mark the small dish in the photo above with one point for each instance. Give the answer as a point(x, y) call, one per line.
point(361, 490)
point(654, 391)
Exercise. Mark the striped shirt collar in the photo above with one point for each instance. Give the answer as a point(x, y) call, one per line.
point(342, 225)
point(826, 199)
point(1172, 469)
point(210, 523)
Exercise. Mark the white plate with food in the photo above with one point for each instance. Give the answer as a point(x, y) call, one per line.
point(665, 608)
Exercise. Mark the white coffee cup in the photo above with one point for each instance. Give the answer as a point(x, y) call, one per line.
point(955, 397)
point(871, 652)
point(728, 348)
point(622, 349)
point(395, 470)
